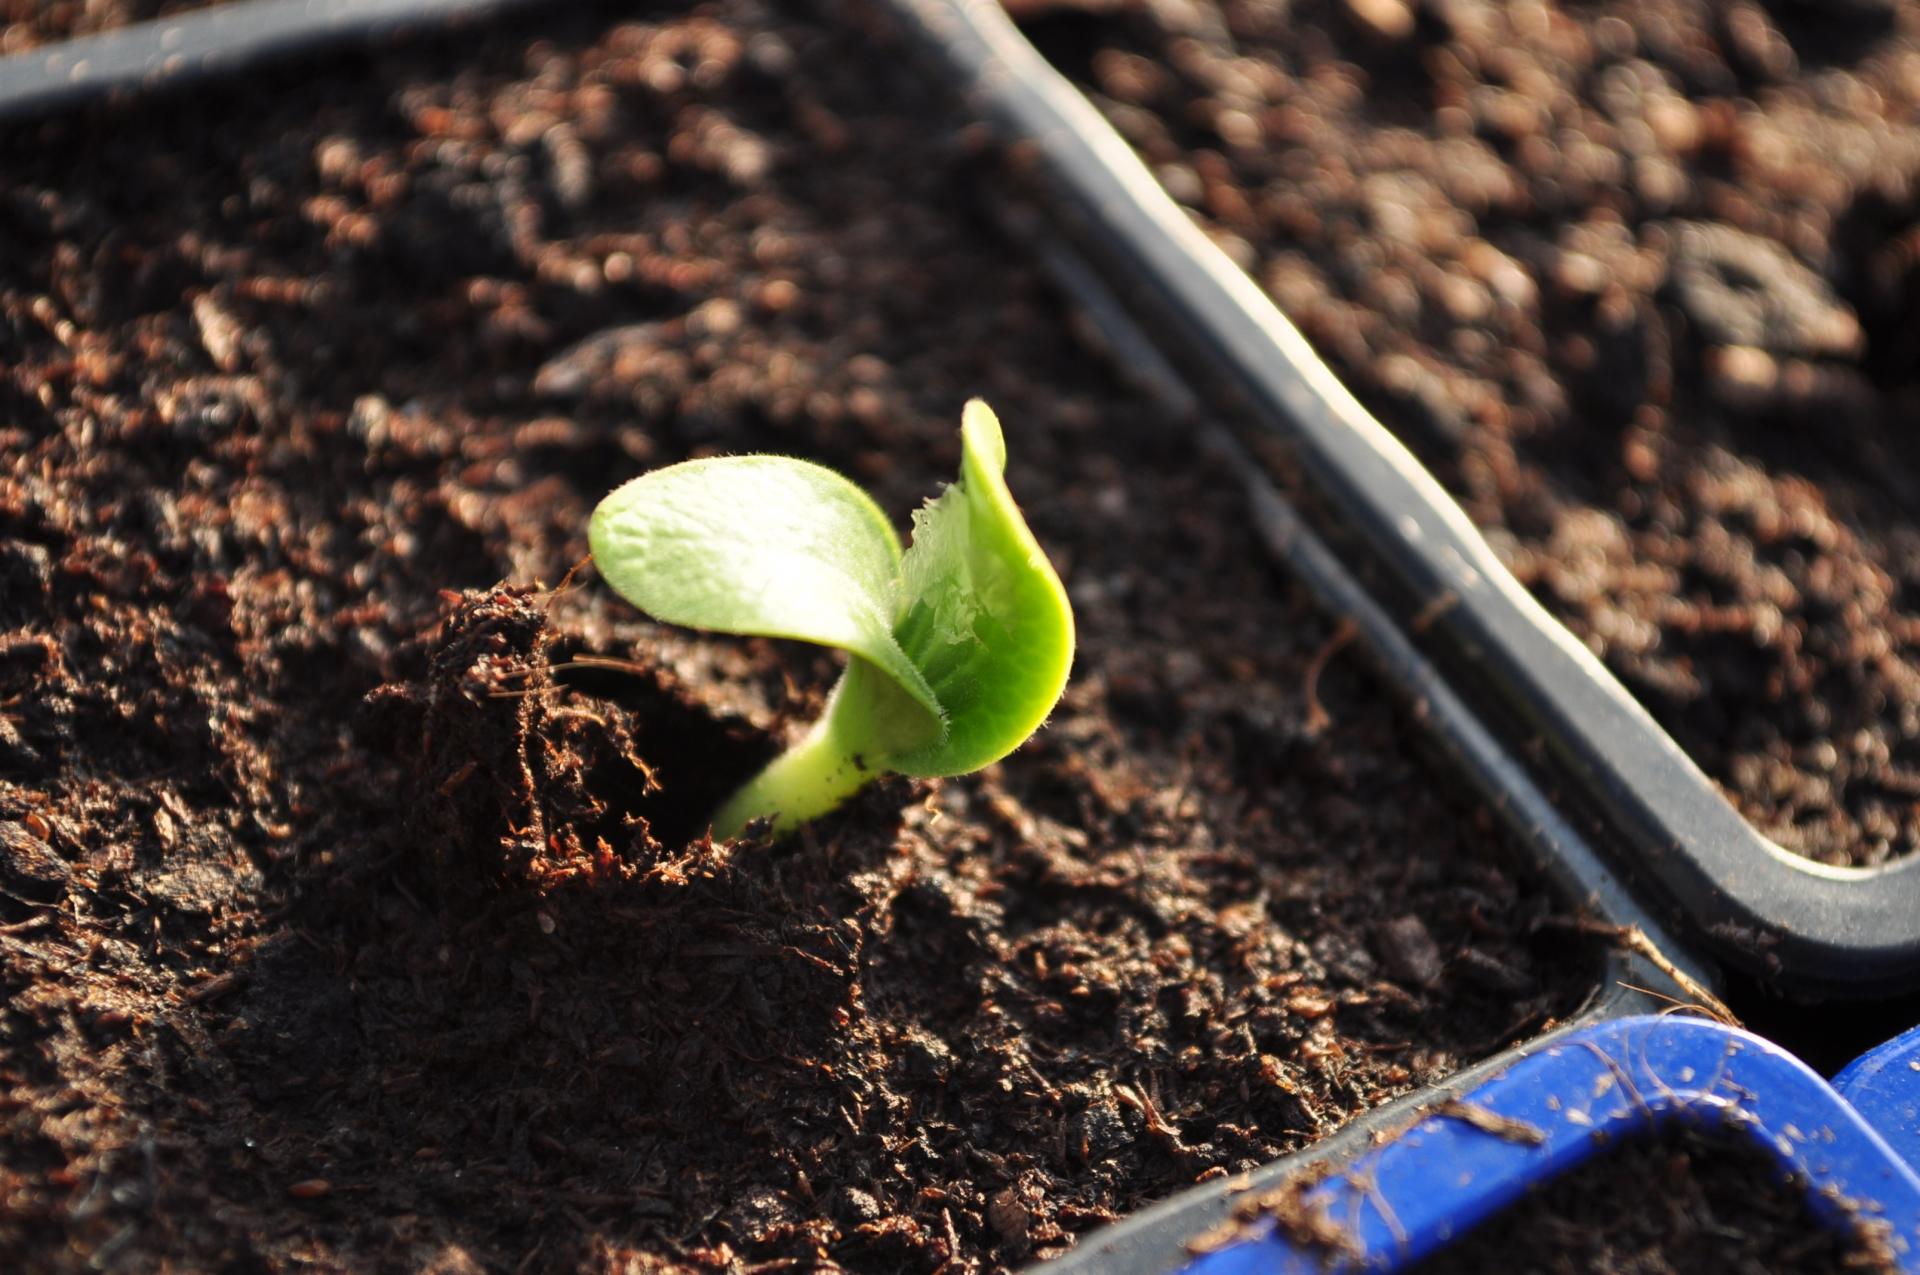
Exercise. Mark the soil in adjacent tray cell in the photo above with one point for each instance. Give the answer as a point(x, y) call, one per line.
point(1641, 281)
point(28, 24)
point(353, 908)
point(1686, 1201)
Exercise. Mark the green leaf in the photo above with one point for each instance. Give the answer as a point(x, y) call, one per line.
point(960, 647)
point(766, 546)
point(983, 616)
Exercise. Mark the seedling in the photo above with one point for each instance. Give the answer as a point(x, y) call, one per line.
point(958, 648)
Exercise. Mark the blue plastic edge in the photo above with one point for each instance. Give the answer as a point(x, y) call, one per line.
point(1557, 1108)
point(1883, 1085)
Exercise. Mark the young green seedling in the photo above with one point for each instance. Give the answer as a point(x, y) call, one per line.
point(957, 648)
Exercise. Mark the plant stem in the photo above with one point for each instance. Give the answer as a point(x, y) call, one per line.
point(821, 770)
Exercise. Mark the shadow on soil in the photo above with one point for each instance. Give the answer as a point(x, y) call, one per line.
point(530, 986)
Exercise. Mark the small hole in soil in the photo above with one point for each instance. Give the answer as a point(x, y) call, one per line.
point(697, 759)
point(515, 764)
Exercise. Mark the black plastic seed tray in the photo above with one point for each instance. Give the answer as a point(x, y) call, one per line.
point(1806, 927)
point(220, 40)
point(1123, 230)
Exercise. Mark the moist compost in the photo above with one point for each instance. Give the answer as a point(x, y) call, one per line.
point(28, 24)
point(1688, 1200)
point(355, 911)
point(1641, 282)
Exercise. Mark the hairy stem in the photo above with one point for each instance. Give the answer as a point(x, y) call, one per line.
point(821, 770)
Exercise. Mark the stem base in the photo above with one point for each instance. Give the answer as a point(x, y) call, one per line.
point(819, 772)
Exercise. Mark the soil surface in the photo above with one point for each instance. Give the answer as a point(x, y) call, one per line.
point(27, 24)
point(1641, 282)
point(1690, 1200)
point(354, 912)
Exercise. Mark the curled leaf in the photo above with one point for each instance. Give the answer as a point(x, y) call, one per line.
point(983, 617)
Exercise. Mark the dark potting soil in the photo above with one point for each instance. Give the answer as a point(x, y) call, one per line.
point(351, 921)
point(1686, 1201)
point(1641, 281)
point(28, 24)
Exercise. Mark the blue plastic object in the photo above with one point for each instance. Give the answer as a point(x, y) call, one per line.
point(1555, 1109)
point(1883, 1085)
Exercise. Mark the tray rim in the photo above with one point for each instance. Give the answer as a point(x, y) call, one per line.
point(1418, 1193)
point(222, 39)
